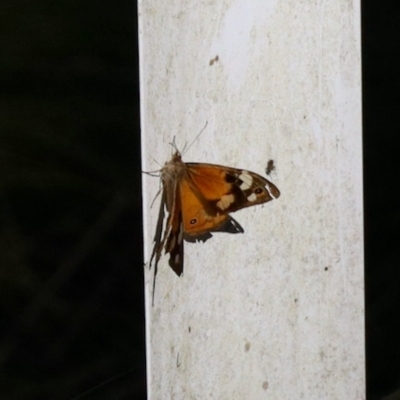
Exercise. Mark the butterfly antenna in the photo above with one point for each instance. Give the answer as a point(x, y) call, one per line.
point(155, 173)
point(158, 193)
point(173, 144)
point(186, 148)
point(157, 162)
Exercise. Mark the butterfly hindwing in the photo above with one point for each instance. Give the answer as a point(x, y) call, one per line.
point(199, 216)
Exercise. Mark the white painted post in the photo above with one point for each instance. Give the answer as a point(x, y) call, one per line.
point(276, 312)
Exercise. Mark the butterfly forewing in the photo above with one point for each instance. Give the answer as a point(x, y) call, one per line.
point(172, 239)
point(174, 236)
point(228, 189)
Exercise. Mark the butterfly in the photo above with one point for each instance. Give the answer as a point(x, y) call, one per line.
point(199, 199)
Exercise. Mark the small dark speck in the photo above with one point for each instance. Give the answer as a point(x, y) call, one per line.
point(305, 117)
point(270, 167)
point(213, 60)
point(296, 300)
point(265, 385)
point(189, 329)
point(247, 346)
point(326, 268)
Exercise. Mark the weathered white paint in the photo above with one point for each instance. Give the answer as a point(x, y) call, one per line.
point(276, 312)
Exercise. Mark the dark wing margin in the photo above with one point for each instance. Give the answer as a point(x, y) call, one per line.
point(176, 251)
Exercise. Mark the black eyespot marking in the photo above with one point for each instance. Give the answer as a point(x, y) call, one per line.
point(193, 221)
point(258, 190)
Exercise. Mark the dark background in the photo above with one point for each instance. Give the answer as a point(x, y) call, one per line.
point(381, 109)
point(71, 265)
point(71, 283)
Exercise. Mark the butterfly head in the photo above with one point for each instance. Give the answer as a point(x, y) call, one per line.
point(174, 169)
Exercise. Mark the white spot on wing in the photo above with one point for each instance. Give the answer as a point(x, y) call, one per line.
point(226, 201)
point(252, 197)
point(246, 179)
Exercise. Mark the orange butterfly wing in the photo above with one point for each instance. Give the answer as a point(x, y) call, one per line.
point(198, 215)
point(225, 190)
point(199, 198)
